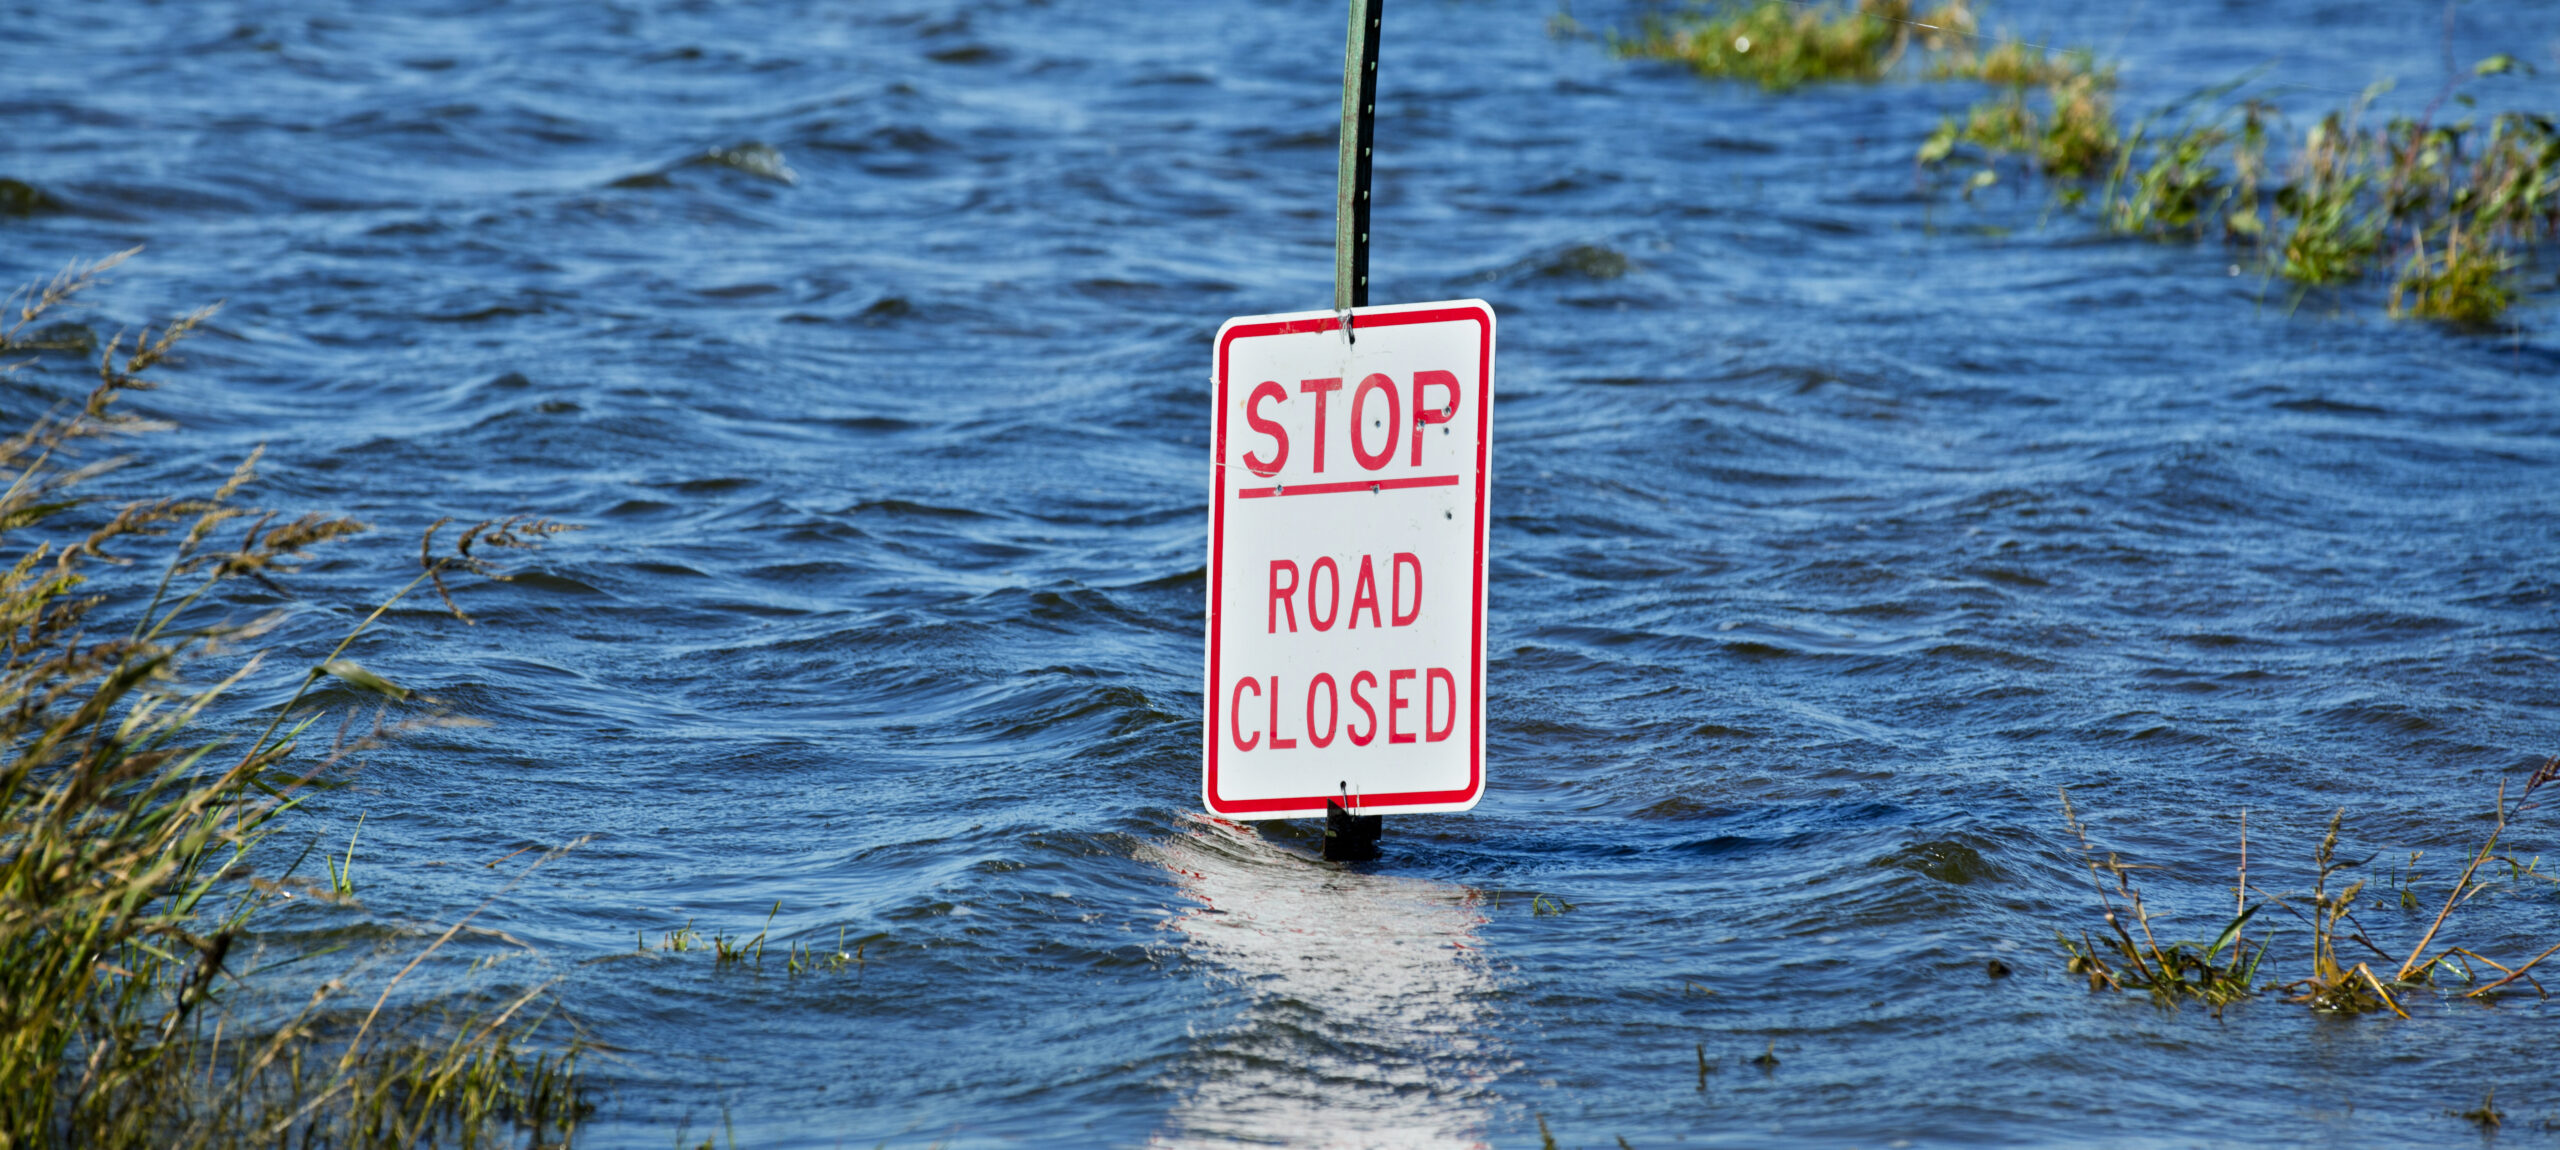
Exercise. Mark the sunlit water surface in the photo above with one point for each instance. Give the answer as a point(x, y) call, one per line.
point(1839, 520)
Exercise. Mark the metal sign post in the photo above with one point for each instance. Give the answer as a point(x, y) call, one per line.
point(1349, 836)
point(1345, 667)
point(1359, 135)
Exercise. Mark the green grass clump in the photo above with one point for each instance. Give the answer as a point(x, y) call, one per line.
point(2461, 202)
point(137, 1004)
point(2011, 63)
point(1784, 44)
point(2064, 126)
point(2463, 280)
point(2053, 106)
point(2330, 233)
point(2184, 189)
point(682, 939)
point(798, 957)
point(805, 958)
point(2215, 973)
point(1781, 45)
point(738, 950)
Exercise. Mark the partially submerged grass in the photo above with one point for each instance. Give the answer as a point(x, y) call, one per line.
point(805, 959)
point(128, 902)
point(2328, 236)
point(2064, 126)
point(729, 950)
point(342, 874)
point(2183, 189)
point(2486, 1116)
point(2462, 201)
point(2459, 203)
point(2130, 958)
point(2463, 278)
point(2420, 965)
point(1785, 44)
point(798, 957)
point(2054, 105)
point(1782, 44)
point(2333, 985)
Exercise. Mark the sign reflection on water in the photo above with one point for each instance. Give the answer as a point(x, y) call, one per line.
point(1367, 1001)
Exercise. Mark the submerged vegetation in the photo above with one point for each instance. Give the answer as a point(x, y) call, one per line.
point(1781, 45)
point(799, 957)
point(2462, 202)
point(140, 1004)
point(2448, 209)
point(2129, 958)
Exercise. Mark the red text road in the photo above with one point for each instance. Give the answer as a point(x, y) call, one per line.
point(1321, 591)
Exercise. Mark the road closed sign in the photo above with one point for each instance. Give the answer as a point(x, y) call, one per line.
point(1347, 561)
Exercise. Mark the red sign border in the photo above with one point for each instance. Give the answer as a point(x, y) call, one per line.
point(1477, 312)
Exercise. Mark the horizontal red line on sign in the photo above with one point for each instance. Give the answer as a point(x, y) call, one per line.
point(1354, 485)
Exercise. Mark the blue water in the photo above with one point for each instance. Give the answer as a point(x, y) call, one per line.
point(1839, 520)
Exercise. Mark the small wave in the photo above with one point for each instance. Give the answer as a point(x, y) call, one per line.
point(1577, 262)
point(1945, 860)
point(761, 160)
point(905, 508)
point(966, 54)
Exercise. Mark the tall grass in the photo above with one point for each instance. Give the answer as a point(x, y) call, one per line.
point(129, 823)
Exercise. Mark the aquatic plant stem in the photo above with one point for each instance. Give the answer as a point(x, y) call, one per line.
point(2515, 974)
point(1358, 145)
point(2241, 894)
point(2462, 889)
point(2376, 984)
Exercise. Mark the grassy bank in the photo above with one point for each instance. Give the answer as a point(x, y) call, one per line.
point(139, 1005)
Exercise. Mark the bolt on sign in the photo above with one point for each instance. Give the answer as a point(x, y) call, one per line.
point(1347, 561)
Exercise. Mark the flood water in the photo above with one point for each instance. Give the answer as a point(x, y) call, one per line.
point(1838, 521)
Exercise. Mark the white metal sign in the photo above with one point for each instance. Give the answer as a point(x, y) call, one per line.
point(1347, 561)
